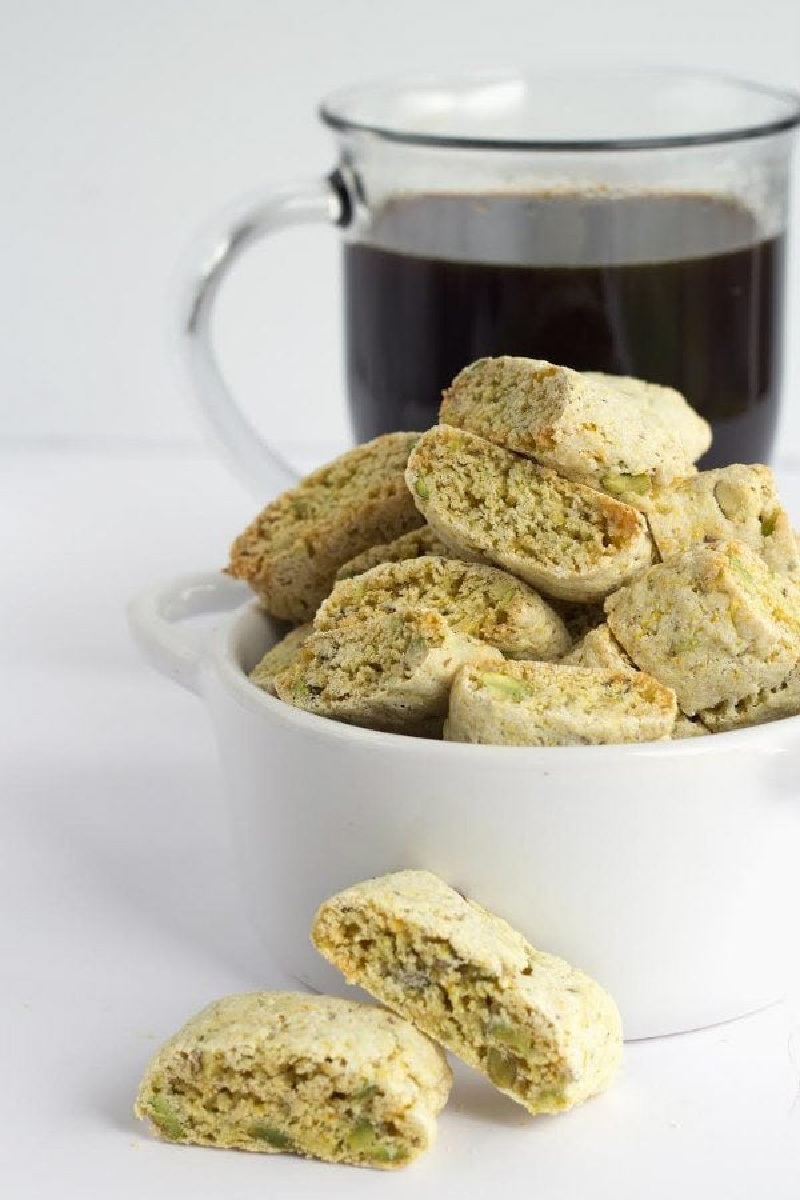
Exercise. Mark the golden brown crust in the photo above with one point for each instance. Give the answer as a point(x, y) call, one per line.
point(291, 552)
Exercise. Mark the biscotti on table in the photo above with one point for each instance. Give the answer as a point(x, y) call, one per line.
point(543, 1032)
point(279, 1072)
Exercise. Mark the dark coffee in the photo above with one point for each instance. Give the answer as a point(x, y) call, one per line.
point(677, 289)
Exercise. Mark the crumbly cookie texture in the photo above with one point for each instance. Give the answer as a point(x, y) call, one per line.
point(568, 421)
point(282, 655)
point(770, 704)
point(599, 648)
point(414, 544)
point(736, 503)
point(483, 601)
point(566, 540)
point(549, 704)
point(291, 552)
point(714, 623)
point(280, 1072)
point(664, 405)
point(542, 1031)
point(391, 673)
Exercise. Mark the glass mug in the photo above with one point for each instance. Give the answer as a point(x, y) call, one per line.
point(625, 221)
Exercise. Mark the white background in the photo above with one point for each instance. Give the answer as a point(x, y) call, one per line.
point(124, 125)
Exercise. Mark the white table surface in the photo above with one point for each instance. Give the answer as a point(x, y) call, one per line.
point(121, 916)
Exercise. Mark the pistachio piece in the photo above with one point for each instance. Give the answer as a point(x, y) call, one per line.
point(300, 691)
point(619, 483)
point(768, 523)
point(501, 1069)
point(273, 1137)
point(421, 487)
point(504, 686)
point(364, 1138)
point(163, 1116)
point(509, 1035)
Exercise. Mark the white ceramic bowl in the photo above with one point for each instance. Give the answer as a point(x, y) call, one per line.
point(666, 870)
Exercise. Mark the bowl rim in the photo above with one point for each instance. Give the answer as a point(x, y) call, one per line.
point(225, 662)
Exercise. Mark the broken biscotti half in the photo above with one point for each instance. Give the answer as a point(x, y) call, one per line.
point(414, 544)
point(566, 540)
point(282, 655)
point(664, 405)
point(713, 623)
point(737, 503)
point(548, 704)
point(280, 1072)
point(543, 1032)
point(391, 673)
point(571, 422)
point(476, 599)
point(291, 552)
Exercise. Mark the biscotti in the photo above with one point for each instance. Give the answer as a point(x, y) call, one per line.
point(291, 552)
point(414, 544)
point(664, 405)
point(281, 656)
point(483, 601)
point(599, 648)
point(567, 421)
point(566, 540)
point(549, 704)
point(542, 1031)
point(391, 673)
point(280, 1072)
point(713, 623)
point(736, 503)
point(769, 704)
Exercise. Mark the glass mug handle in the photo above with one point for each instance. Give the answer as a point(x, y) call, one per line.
point(252, 459)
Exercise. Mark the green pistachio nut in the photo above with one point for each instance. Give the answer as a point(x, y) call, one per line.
point(421, 487)
point(506, 687)
point(501, 1069)
point(768, 523)
point(163, 1116)
point(510, 1035)
point(619, 483)
point(272, 1136)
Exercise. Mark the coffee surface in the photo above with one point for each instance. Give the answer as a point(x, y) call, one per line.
point(677, 289)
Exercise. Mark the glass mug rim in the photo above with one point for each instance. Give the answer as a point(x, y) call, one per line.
point(441, 98)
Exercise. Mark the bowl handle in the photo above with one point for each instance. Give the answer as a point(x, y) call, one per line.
point(154, 615)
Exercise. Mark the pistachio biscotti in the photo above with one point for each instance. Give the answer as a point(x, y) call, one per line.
point(414, 544)
point(291, 552)
point(479, 600)
point(543, 1032)
point(663, 405)
point(313, 1075)
point(566, 540)
point(282, 655)
point(391, 673)
point(568, 421)
point(737, 503)
point(548, 704)
point(713, 623)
